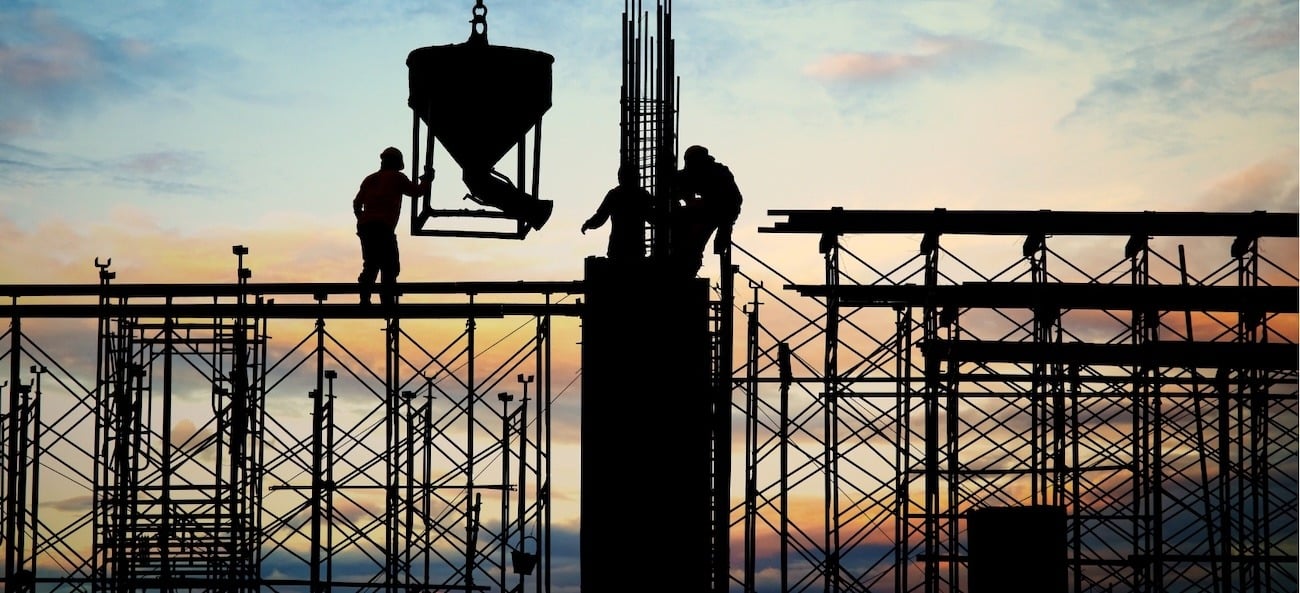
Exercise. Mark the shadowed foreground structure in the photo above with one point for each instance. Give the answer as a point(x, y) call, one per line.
point(244, 436)
point(1037, 360)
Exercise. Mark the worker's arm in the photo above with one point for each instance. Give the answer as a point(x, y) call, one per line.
point(357, 202)
point(416, 189)
point(601, 215)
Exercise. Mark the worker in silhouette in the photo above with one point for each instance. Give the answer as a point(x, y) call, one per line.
point(626, 206)
point(378, 206)
point(709, 203)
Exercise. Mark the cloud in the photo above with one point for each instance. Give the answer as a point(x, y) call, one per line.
point(76, 504)
point(1269, 185)
point(52, 67)
point(54, 70)
point(929, 54)
point(186, 434)
point(158, 171)
point(25, 167)
point(1205, 69)
point(162, 162)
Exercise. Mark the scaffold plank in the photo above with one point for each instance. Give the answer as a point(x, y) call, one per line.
point(1043, 222)
point(1159, 297)
point(1231, 355)
point(306, 289)
point(285, 310)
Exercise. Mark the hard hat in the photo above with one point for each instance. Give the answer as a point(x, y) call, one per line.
point(696, 153)
point(390, 153)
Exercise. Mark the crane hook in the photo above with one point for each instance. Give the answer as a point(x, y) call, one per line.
point(478, 24)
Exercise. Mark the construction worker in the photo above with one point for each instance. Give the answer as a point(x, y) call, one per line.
point(378, 206)
point(627, 207)
point(710, 203)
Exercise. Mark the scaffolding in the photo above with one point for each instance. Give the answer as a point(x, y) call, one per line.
point(1135, 372)
point(1150, 397)
point(378, 450)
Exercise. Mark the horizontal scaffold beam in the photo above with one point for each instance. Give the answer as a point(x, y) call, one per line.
point(837, 221)
point(1228, 355)
point(288, 310)
point(1065, 295)
point(320, 290)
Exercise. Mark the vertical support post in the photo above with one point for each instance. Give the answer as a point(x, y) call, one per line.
point(543, 455)
point(1253, 435)
point(426, 474)
point(523, 475)
point(1141, 442)
point(750, 520)
point(392, 434)
point(13, 511)
point(1202, 447)
point(407, 462)
point(1223, 388)
point(471, 499)
point(318, 453)
point(1033, 251)
point(1076, 498)
point(722, 426)
point(902, 433)
point(328, 421)
point(166, 536)
point(783, 361)
point(932, 411)
point(830, 417)
point(245, 436)
point(505, 399)
point(544, 411)
point(951, 451)
point(37, 449)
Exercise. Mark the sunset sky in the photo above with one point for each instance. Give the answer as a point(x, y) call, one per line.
point(161, 133)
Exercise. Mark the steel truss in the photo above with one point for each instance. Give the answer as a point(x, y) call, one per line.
point(185, 449)
point(1151, 397)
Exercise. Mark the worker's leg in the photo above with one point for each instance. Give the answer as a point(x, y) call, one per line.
point(370, 259)
point(391, 267)
point(722, 240)
point(690, 236)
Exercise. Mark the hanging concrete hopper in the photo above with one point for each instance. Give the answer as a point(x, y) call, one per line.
point(480, 101)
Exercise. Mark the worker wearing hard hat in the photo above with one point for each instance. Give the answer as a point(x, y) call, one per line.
point(378, 206)
point(711, 202)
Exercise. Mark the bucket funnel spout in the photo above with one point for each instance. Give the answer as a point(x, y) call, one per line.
point(494, 190)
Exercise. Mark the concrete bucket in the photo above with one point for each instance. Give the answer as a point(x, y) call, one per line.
point(479, 101)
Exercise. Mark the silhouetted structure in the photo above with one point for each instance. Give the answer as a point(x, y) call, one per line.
point(646, 404)
point(1152, 398)
point(479, 100)
point(648, 111)
point(655, 352)
point(428, 467)
point(1151, 395)
point(1017, 549)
